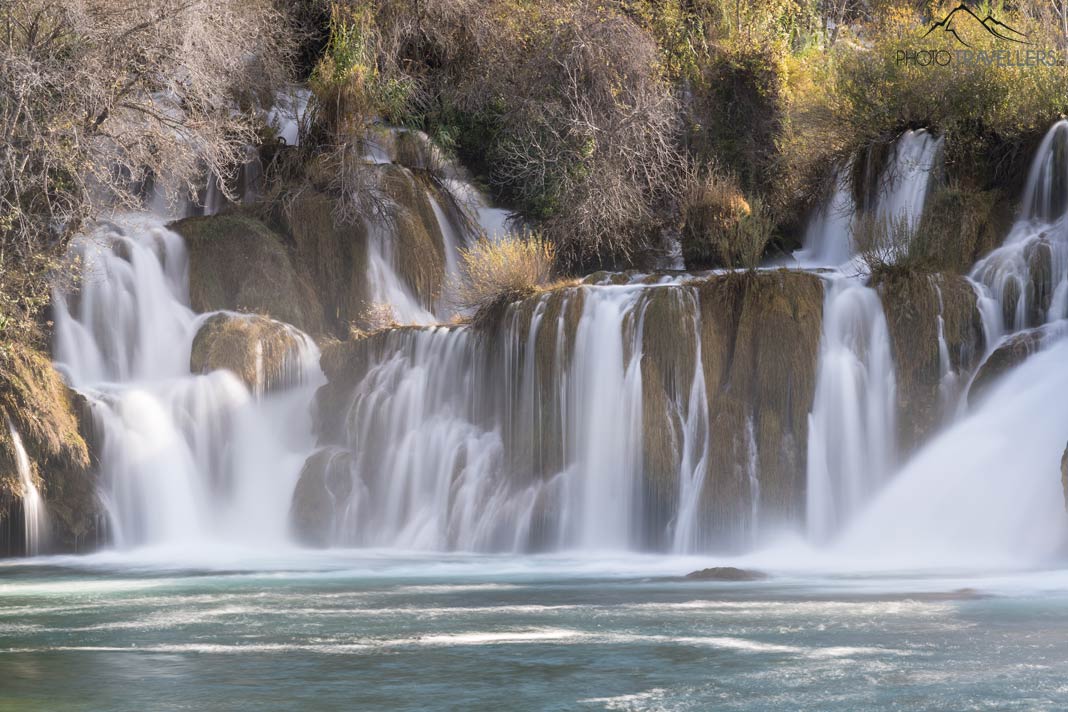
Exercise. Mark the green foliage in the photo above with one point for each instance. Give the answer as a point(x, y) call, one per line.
point(987, 112)
point(347, 81)
point(740, 111)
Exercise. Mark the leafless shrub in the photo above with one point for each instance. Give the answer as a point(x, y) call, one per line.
point(582, 126)
point(99, 98)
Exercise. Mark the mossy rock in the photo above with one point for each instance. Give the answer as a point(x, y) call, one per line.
point(262, 352)
point(237, 263)
point(333, 254)
point(913, 301)
point(760, 345)
point(49, 419)
point(1007, 356)
point(418, 246)
point(960, 225)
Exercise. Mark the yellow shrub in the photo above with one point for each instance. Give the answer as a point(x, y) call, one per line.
point(496, 271)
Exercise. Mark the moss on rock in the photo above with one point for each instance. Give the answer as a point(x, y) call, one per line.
point(914, 304)
point(46, 414)
point(766, 363)
point(418, 247)
point(261, 352)
point(237, 263)
point(333, 254)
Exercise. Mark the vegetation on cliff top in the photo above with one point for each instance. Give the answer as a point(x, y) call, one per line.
point(599, 122)
point(100, 100)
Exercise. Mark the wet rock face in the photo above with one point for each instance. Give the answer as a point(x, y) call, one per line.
point(260, 351)
point(936, 334)
point(52, 425)
point(236, 263)
point(1010, 354)
point(1064, 476)
point(320, 497)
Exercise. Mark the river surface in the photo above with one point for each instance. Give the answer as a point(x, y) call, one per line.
point(387, 630)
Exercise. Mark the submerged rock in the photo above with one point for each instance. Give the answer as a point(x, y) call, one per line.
point(726, 573)
point(237, 263)
point(262, 352)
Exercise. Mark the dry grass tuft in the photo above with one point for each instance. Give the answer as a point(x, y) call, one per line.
point(494, 272)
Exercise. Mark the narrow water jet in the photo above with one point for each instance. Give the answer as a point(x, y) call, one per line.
point(35, 527)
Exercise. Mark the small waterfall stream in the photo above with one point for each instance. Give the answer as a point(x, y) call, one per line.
point(35, 530)
point(852, 432)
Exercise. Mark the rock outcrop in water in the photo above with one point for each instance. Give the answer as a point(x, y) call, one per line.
point(669, 416)
point(262, 352)
point(726, 573)
point(45, 414)
point(1010, 353)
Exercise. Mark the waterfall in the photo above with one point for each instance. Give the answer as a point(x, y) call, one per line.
point(535, 434)
point(829, 235)
point(1027, 276)
point(852, 431)
point(183, 458)
point(987, 491)
point(905, 182)
point(35, 529)
point(900, 195)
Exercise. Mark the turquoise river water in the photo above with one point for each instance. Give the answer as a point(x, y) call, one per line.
point(384, 630)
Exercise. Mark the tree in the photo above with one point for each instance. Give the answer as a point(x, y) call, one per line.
point(100, 98)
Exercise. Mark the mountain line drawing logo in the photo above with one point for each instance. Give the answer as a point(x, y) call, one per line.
point(1011, 48)
point(991, 24)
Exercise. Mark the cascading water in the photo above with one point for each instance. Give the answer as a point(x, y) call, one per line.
point(987, 491)
point(905, 182)
point(34, 515)
point(535, 442)
point(829, 235)
point(1028, 275)
point(183, 458)
point(900, 195)
point(851, 447)
point(852, 431)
